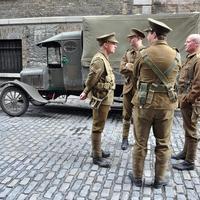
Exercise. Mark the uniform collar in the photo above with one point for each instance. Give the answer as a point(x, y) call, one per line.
point(192, 54)
point(100, 51)
point(158, 42)
point(142, 47)
point(134, 50)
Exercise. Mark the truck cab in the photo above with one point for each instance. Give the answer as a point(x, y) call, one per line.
point(62, 75)
point(62, 72)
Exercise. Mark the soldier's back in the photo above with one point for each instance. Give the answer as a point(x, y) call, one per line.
point(163, 56)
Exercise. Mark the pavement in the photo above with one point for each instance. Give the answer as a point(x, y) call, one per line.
point(45, 154)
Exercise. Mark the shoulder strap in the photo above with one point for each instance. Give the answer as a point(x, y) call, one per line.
point(173, 64)
point(107, 64)
point(110, 75)
point(156, 70)
point(163, 78)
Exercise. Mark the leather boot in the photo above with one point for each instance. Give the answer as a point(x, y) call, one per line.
point(135, 181)
point(125, 144)
point(185, 165)
point(126, 127)
point(179, 156)
point(158, 184)
point(101, 162)
point(191, 154)
point(105, 154)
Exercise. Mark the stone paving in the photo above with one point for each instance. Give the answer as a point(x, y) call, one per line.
point(45, 154)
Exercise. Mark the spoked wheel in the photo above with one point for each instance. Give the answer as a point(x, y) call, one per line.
point(14, 101)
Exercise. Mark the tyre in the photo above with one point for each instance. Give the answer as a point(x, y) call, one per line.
point(14, 101)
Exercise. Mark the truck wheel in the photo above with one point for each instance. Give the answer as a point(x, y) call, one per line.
point(14, 101)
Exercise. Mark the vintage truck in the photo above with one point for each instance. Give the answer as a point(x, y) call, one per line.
point(69, 55)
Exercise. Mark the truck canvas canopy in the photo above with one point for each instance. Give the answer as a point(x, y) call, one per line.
point(93, 26)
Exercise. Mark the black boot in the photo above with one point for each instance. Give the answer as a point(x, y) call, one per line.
point(159, 184)
point(184, 166)
point(105, 154)
point(102, 162)
point(135, 181)
point(179, 156)
point(125, 144)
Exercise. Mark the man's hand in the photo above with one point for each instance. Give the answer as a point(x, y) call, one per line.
point(83, 96)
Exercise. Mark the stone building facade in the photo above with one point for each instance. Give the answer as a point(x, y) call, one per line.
point(31, 21)
point(48, 8)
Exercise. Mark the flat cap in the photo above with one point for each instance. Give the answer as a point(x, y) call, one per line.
point(110, 37)
point(158, 26)
point(136, 32)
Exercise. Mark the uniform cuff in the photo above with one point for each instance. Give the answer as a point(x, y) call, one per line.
point(86, 90)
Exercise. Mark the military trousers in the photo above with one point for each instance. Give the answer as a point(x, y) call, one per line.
point(127, 113)
point(190, 118)
point(99, 118)
point(161, 123)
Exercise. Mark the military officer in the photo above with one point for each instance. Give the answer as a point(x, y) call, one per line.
point(100, 84)
point(154, 102)
point(126, 68)
point(189, 95)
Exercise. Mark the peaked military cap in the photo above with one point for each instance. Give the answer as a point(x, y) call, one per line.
point(110, 37)
point(149, 29)
point(136, 32)
point(158, 26)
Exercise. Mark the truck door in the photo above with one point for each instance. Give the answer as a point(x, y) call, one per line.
point(71, 60)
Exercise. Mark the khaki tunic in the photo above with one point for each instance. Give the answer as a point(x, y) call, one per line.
point(163, 56)
point(158, 114)
point(126, 69)
point(189, 96)
point(100, 72)
point(191, 93)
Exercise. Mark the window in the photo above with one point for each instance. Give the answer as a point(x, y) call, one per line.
point(10, 56)
point(54, 57)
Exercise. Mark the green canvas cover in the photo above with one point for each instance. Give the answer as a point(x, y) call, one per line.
point(93, 26)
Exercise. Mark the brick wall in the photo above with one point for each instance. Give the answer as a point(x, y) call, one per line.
point(31, 34)
point(45, 8)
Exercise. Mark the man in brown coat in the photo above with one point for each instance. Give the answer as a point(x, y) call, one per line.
point(100, 84)
point(126, 68)
point(189, 96)
point(154, 102)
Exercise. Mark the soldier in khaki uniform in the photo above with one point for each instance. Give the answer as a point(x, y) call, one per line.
point(189, 96)
point(126, 68)
point(154, 102)
point(100, 84)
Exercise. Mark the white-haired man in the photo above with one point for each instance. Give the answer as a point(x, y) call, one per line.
point(189, 99)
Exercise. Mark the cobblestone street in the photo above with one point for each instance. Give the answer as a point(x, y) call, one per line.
point(45, 154)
